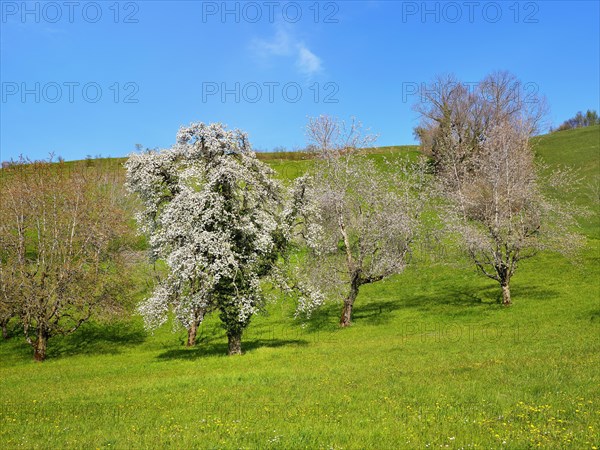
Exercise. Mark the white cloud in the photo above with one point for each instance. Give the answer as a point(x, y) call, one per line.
point(285, 45)
point(278, 46)
point(307, 62)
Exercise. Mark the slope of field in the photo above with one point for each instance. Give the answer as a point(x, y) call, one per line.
point(578, 149)
point(432, 360)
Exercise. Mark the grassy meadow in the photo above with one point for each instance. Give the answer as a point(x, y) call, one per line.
point(431, 361)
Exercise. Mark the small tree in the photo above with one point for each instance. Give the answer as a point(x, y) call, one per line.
point(362, 220)
point(210, 209)
point(499, 210)
point(59, 247)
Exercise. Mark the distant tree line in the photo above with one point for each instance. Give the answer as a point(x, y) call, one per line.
point(580, 120)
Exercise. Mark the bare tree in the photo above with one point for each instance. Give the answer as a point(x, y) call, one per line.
point(59, 246)
point(499, 210)
point(478, 136)
point(362, 218)
point(8, 304)
point(455, 115)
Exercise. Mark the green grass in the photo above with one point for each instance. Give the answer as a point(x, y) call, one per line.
point(580, 150)
point(577, 148)
point(431, 360)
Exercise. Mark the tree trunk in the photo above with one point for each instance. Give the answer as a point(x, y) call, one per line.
point(191, 335)
point(39, 353)
point(193, 329)
point(235, 343)
point(506, 301)
point(5, 330)
point(346, 319)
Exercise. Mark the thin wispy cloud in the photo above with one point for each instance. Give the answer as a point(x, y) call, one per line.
point(307, 62)
point(280, 45)
point(285, 45)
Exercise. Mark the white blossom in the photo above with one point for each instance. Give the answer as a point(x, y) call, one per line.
point(359, 220)
point(211, 210)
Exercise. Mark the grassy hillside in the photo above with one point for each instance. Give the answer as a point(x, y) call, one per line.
point(580, 150)
point(431, 361)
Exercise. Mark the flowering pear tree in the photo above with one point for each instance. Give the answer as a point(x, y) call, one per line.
point(210, 208)
point(360, 219)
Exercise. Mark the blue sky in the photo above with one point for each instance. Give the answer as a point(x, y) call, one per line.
point(98, 77)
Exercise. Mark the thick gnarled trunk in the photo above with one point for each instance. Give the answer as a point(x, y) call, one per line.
point(39, 349)
point(504, 275)
point(234, 343)
point(506, 301)
point(346, 319)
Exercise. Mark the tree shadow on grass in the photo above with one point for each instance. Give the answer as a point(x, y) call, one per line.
point(452, 300)
point(455, 302)
point(464, 302)
point(380, 311)
point(595, 316)
point(95, 339)
point(324, 319)
point(376, 311)
point(14, 350)
point(220, 349)
point(523, 291)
